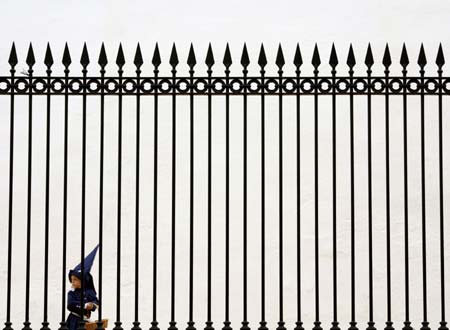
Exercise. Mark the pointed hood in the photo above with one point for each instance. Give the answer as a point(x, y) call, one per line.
point(88, 261)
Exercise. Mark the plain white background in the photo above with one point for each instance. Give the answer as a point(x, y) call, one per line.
point(236, 22)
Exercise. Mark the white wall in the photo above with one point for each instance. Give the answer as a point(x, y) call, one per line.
point(235, 22)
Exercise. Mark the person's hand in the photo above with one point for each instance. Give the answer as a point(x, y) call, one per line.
point(89, 306)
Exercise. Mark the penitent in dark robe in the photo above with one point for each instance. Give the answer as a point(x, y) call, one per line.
point(90, 300)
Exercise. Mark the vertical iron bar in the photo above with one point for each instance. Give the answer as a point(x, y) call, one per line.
point(440, 62)
point(156, 61)
point(227, 193)
point(389, 322)
point(12, 62)
point(369, 63)
point(191, 193)
point(245, 62)
point(351, 63)
point(333, 63)
point(173, 62)
point(298, 63)
point(49, 62)
point(102, 63)
point(425, 322)
point(262, 61)
point(30, 62)
point(209, 62)
point(66, 62)
point(316, 63)
point(407, 323)
point(280, 63)
point(120, 63)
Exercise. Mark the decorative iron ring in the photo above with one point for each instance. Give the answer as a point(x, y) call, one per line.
point(215, 83)
point(200, 82)
point(57, 81)
point(434, 83)
point(126, 83)
point(343, 81)
point(304, 88)
point(7, 83)
point(412, 81)
point(292, 83)
point(268, 83)
point(255, 83)
point(240, 86)
point(37, 82)
point(145, 82)
point(328, 84)
point(360, 81)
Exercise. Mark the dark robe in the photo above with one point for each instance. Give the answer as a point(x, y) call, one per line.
point(74, 305)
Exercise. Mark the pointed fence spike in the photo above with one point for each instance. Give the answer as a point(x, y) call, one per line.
point(333, 57)
point(227, 57)
point(387, 61)
point(316, 57)
point(351, 57)
point(138, 61)
point(298, 61)
point(279, 61)
point(120, 59)
point(30, 56)
point(174, 56)
point(440, 60)
point(156, 59)
point(262, 59)
point(191, 61)
point(245, 60)
point(209, 61)
point(13, 56)
point(369, 57)
point(102, 58)
point(84, 57)
point(422, 60)
point(48, 60)
point(404, 60)
point(66, 60)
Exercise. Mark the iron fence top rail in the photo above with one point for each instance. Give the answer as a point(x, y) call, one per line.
point(234, 85)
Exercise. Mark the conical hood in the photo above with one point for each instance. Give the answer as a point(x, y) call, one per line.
point(88, 261)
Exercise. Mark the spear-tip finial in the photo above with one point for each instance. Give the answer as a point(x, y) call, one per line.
point(173, 56)
point(298, 61)
point(351, 57)
point(66, 60)
point(191, 61)
point(262, 59)
point(138, 60)
point(440, 60)
point(13, 56)
point(333, 57)
point(369, 57)
point(48, 60)
point(404, 60)
point(102, 58)
point(387, 61)
point(84, 57)
point(120, 59)
point(30, 56)
point(245, 60)
point(209, 61)
point(316, 57)
point(422, 60)
point(156, 59)
point(227, 57)
point(279, 61)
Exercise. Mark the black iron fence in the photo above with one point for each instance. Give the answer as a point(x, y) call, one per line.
point(244, 86)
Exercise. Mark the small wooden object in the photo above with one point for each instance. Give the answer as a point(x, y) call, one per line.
point(93, 325)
